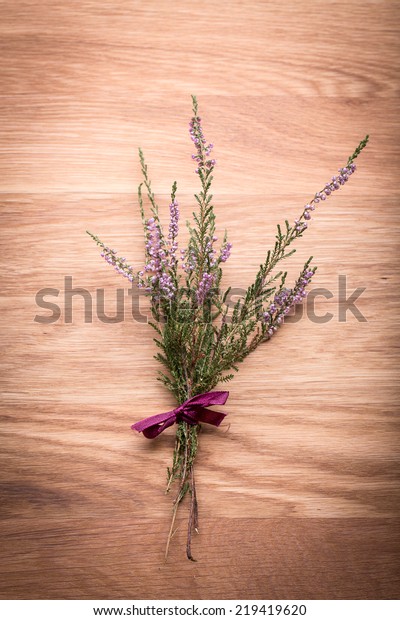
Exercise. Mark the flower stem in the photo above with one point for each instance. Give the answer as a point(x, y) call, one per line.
point(193, 515)
point(183, 470)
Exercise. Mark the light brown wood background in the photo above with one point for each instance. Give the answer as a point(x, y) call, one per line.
point(299, 493)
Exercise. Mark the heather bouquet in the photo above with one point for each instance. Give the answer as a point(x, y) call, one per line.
point(202, 340)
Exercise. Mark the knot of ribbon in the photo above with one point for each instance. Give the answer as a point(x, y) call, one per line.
point(191, 411)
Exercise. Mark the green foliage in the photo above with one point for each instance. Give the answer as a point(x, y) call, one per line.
point(358, 150)
point(202, 341)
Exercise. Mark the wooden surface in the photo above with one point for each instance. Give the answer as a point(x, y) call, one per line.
point(299, 492)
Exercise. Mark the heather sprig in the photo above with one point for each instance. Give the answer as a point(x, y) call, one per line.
point(110, 256)
point(200, 339)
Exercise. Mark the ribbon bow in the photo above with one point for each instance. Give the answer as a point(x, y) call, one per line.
point(191, 411)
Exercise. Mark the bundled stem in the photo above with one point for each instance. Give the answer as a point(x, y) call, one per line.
point(186, 444)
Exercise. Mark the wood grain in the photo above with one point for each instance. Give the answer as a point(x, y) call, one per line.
point(299, 491)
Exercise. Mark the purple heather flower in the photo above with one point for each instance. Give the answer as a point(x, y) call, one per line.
point(173, 230)
point(336, 182)
point(281, 297)
point(333, 185)
point(284, 300)
point(160, 283)
point(225, 252)
point(119, 264)
point(188, 259)
point(300, 226)
point(197, 137)
point(204, 288)
point(211, 253)
point(167, 286)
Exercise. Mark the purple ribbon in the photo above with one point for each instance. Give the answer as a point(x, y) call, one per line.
point(191, 411)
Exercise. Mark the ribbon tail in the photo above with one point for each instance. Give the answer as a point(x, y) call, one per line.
point(210, 417)
point(154, 425)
